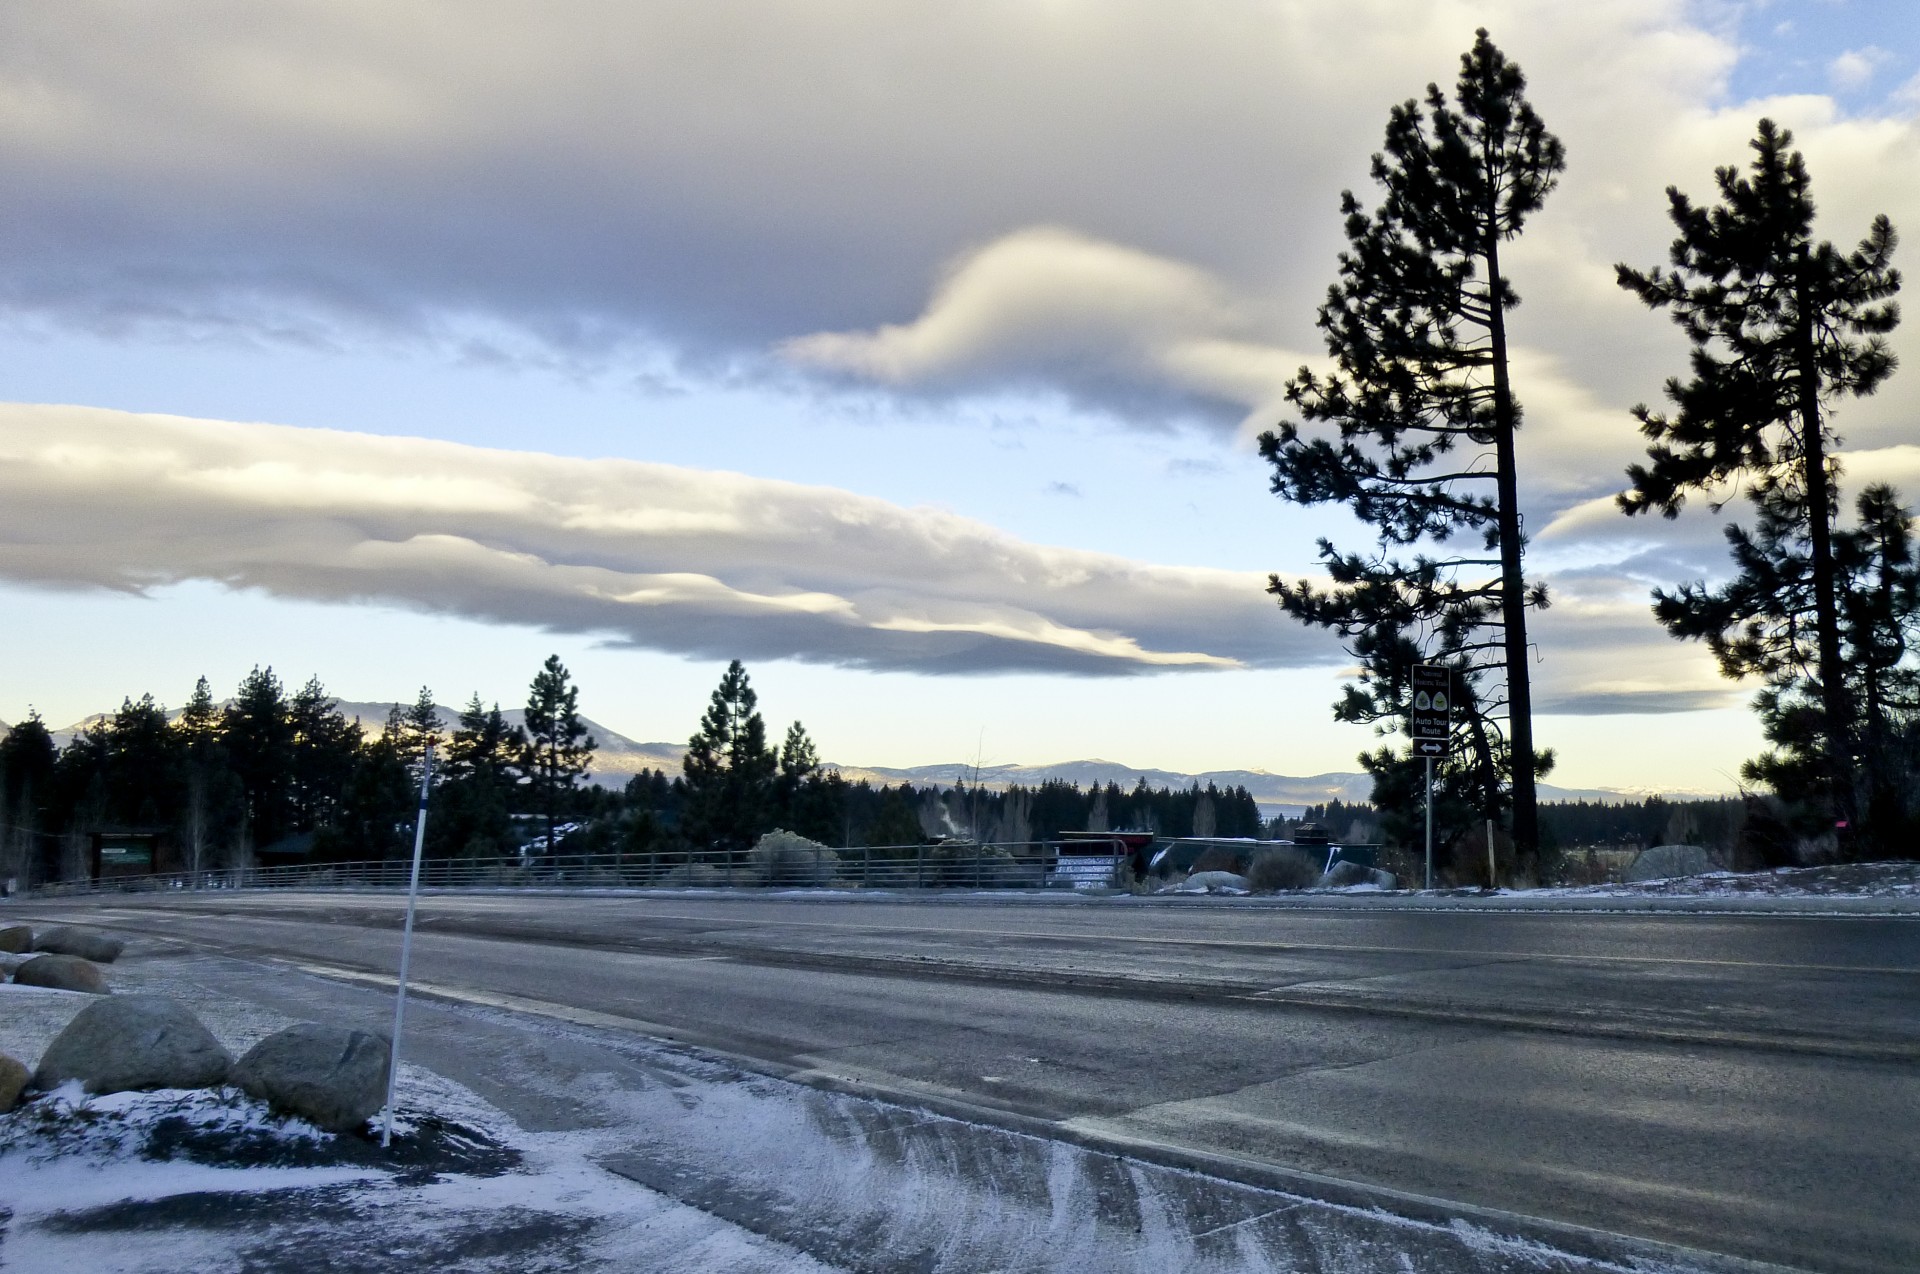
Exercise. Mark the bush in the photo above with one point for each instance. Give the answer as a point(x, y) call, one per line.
point(788, 858)
point(965, 865)
point(1220, 858)
point(693, 876)
point(1278, 869)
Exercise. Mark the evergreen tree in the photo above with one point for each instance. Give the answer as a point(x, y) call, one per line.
point(558, 746)
point(257, 731)
point(27, 760)
point(473, 815)
point(210, 793)
point(1417, 326)
point(731, 773)
point(376, 815)
point(809, 797)
point(326, 747)
point(1768, 608)
point(1781, 327)
point(142, 764)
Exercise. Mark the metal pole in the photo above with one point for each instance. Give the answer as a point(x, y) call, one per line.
point(406, 944)
point(1429, 822)
point(1493, 878)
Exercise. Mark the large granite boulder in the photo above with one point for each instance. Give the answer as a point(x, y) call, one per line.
point(88, 944)
point(1664, 862)
point(332, 1077)
point(1346, 875)
point(133, 1042)
point(1206, 882)
point(15, 939)
point(13, 1081)
point(61, 973)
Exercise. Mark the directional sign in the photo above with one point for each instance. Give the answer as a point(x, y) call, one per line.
point(1431, 719)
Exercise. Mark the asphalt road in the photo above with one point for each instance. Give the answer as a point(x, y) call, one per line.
point(1746, 1085)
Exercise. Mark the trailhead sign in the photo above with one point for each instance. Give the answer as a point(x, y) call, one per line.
point(1431, 720)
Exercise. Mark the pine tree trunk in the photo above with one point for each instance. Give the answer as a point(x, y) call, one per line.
point(1826, 611)
point(1513, 584)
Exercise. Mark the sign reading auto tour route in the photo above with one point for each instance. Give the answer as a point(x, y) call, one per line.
point(1431, 720)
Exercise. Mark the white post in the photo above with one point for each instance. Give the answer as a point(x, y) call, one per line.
point(1429, 822)
point(1493, 874)
point(406, 944)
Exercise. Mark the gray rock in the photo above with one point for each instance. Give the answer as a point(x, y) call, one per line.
point(61, 973)
point(1344, 875)
point(1208, 881)
point(1664, 862)
point(85, 943)
point(132, 1042)
point(332, 1077)
point(16, 939)
point(13, 1081)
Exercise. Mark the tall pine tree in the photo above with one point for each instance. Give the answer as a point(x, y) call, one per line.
point(731, 773)
point(1782, 327)
point(1423, 418)
point(476, 792)
point(558, 746)
point(257, 731)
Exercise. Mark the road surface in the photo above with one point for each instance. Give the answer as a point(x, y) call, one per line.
point(1742, 1084)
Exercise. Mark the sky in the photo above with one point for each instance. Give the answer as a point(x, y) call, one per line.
point(913, 355)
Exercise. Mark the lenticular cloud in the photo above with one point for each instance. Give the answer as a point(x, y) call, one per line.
point(688, 561)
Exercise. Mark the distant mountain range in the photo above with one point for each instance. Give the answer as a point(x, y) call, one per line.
point(618, 758)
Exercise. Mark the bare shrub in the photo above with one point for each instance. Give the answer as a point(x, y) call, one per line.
point(693, 876)
point(788, 858)
point(1220, 858)
point(1278, 869)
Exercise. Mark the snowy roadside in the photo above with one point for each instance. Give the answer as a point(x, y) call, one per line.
point(210, 1181)
point(596, 1149)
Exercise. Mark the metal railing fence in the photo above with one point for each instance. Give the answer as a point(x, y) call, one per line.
point(1021, 865)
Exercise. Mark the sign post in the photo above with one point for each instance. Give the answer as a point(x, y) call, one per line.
point(1430, 722)
point(406, 944)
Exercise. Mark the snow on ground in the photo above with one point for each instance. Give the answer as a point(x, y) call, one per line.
point(1835, 880)
point(210, 1182)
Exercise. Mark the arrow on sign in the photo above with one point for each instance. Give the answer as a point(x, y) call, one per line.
point(1429, 747)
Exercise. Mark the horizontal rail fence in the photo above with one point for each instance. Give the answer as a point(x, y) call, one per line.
point(1020, 865)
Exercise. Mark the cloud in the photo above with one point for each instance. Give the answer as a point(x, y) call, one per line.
point(1854, 69)
point(1131, 326)
point(708, 564)
point(1604, 654)
point(717, 182)
point(712, 564)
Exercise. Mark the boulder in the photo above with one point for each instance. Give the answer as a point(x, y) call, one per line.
point(1664, 862)
point(61, 973)
point(16, 939)
point(1345, 875)
point(132, 1042)
point(1208, 881)
point(332, 1077)
point(13, 1081)
point(85, 943)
